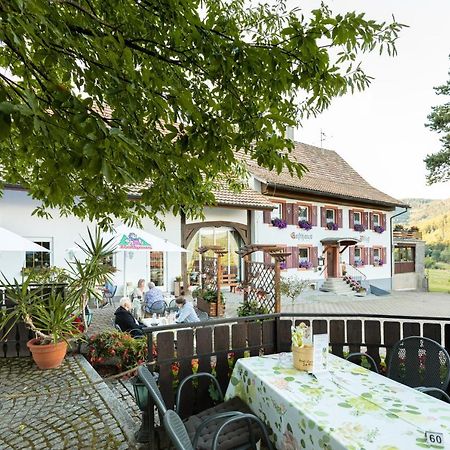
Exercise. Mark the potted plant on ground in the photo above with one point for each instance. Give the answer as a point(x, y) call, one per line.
point(51, 312)
point(207, 302)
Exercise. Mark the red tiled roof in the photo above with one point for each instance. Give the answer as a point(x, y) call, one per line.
point(328, 174)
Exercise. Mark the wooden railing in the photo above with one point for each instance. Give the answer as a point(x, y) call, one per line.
point(217, 344)
point(404, 266)
point(404, 234)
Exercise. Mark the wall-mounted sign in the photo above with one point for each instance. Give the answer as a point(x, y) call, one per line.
point(301, 236)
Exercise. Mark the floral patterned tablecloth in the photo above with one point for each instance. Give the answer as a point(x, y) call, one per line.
point(348, 407)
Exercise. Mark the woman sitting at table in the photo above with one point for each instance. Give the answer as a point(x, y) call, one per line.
point(137, 297)
point(186, 312)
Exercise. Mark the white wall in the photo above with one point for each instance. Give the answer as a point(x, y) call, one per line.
point(16, 215)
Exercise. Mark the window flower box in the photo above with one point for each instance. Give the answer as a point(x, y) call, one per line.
point(379, 262)
point(279, 223)
point(378, 229)
point(359, 263)
point(305, 265)
point(359, 227)
point(304, 224)
point(332, 226)
point(283, 265)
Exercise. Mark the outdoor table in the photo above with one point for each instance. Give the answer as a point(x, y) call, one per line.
point(159, 321)
point(348, 407)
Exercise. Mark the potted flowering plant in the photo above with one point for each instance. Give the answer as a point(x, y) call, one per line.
point(332, 226)
point(304, 224)
point(359, 227)
point(378, 262)
point(302, 349)
point(379, 229)
point(279, 223)
point(359, 263)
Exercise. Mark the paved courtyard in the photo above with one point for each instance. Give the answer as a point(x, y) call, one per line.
point(429, 304)
point(60, 409)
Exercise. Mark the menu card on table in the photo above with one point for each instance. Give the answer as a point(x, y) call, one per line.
point(320, 356)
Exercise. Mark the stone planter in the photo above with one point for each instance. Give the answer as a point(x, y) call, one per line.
point(210, 308)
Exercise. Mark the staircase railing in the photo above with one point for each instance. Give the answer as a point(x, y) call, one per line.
point(356, 274)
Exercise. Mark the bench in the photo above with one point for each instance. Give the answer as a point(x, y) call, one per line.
point(229, 279)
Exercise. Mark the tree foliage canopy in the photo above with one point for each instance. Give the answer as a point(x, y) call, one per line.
point(90, 91)
point(438, 164)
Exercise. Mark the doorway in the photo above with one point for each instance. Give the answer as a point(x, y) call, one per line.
point(331, 261)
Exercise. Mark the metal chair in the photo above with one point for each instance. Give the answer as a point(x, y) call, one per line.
point(200, 427)
point(109, 293)
point(435, 392)
point(179, 436)
point(172, 306)
point(419, 361)
point(159, 307)
point(135, 332)
point(356, 359)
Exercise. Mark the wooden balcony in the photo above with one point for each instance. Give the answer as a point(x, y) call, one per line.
point(404, 267)
point(404, 234)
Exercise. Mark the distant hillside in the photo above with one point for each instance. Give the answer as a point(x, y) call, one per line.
point(431, 216)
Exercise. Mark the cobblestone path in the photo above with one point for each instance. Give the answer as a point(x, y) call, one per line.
point(58, 409)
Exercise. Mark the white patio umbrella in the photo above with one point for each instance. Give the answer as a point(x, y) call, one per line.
point(12, 242)
point(132, 239)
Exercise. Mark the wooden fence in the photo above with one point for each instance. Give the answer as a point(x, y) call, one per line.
point(218, 344)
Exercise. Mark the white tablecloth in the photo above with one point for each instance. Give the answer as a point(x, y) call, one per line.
point(347, 408)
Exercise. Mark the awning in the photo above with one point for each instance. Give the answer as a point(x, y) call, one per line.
point(343, 241)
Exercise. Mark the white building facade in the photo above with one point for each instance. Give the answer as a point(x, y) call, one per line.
point(331, 221)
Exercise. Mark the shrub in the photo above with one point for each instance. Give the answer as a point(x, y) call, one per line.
point(292, 287)
point(120, 348)
point(251, 308)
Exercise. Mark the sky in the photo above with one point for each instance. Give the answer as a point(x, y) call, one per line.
point(381, 131)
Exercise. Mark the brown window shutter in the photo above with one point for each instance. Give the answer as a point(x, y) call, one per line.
point(371, 221)
point(371, 256)
point(383, 255)
point(266, 216)
point(383, 221)
point(365, 219)
point(351, 219)
point(313, 211)
point(294, 257)
point(267, 258)
point(365, 256)
point(323, 216)
point(351, 259)
point(339, 218)
point(283, 211)
point(314, 256)
point(290, 213)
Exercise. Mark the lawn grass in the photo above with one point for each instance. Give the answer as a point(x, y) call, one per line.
point(439, 280)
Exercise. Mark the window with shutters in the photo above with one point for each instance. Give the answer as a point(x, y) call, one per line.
point(277, 212)
point(304, 258)
point(359, 261)
point(303, 213)
point(330, 216)
point(376, 220)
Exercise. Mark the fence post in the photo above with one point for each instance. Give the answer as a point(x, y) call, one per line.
point(219, 282)
point(277, 280)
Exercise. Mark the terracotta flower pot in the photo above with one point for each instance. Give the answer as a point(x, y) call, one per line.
point(47, 356)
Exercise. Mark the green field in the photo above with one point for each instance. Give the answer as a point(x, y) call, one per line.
point(439, 279)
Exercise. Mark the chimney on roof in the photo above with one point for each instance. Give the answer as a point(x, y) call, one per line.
point(290, 133)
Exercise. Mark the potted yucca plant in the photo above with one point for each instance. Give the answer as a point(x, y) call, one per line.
point(50, 311)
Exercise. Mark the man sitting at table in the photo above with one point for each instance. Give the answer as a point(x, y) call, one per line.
point(186, 312)
point(125, 319)
point(153, 298)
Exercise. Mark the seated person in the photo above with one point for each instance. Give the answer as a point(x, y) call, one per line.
point(107, 290)
point(125, 319)
point(153, 297)
point(186, 312)
point(137, 297)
